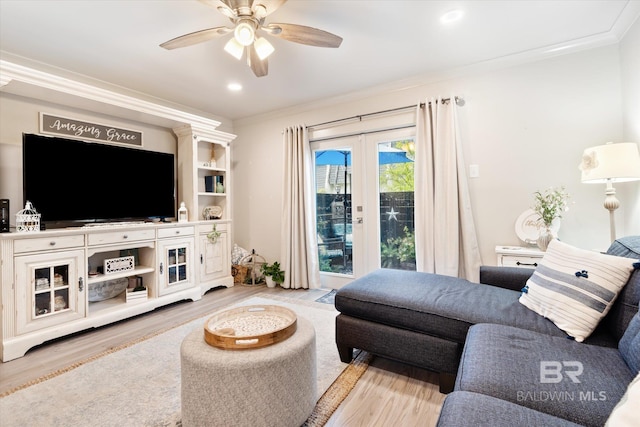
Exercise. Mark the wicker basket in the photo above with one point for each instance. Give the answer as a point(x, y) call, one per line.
point(27, 220)
point(239, 273)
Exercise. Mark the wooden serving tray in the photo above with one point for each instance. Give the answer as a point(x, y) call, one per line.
point(248, 327)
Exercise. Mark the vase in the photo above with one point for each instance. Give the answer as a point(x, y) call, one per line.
point(544, 238)
point(270, 282)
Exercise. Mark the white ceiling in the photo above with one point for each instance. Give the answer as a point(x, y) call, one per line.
point(116, 41)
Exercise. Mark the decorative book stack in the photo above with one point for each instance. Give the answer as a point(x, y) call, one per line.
point(214, 184)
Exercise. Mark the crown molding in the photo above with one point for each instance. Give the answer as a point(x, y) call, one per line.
point(25, 81)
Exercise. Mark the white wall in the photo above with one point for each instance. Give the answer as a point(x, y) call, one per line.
point(630, 71)
point(525, 125)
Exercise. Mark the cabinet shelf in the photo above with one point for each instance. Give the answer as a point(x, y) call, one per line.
point(112, 304)
point(206, 193)
point(136, 271)
point(48, 290)
point(209, 168)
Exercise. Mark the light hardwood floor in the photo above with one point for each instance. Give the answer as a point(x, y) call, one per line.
point(388, 393)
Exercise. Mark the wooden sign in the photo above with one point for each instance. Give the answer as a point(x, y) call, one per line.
point(63, 126)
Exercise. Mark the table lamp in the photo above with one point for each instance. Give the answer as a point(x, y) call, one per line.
point(609, 163)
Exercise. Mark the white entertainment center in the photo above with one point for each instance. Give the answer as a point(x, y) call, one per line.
point(46, 276)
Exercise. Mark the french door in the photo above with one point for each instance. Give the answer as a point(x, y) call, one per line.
point(364, 204)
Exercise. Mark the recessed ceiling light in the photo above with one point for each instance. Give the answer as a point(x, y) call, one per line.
point(451, 16)
point(234, 87)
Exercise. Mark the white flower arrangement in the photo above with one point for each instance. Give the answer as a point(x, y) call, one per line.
point(550, 204)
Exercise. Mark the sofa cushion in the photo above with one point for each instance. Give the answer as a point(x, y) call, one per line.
point(630, 345)
point(575, 288)
point(437, 305)
point(466, 409)
point(625, 414)
point(540, 372)
point(626, 306)
point(628, 246)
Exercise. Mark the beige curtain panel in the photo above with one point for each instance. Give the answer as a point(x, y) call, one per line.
point(299, 246)
point(446, 241)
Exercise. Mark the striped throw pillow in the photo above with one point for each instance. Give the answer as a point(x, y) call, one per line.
point(575, 288)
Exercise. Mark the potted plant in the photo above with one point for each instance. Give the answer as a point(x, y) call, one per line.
point(273, 274)
point(549, 207)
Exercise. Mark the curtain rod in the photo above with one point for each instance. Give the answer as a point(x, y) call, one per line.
point(346, 135)
point(459, 101)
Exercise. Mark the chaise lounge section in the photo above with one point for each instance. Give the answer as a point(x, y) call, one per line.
point(429, 321)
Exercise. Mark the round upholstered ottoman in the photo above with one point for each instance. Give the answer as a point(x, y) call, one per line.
point(268, 386)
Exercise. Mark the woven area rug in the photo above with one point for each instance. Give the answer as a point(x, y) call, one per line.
point(139, 385)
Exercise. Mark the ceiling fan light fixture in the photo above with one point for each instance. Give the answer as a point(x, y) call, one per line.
point(263, 48)
point(234, 48)
point(259, 11)
point(245, 33)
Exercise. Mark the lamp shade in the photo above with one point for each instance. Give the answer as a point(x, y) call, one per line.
point(234, 48)
point(245, 32)
point(263, 47)
point(611, 163)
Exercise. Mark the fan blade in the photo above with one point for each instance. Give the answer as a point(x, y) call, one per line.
point(222, 6)
point(259, 67)
point(270, 6)
point(219, 4)
point(196, 37)
point(304, 35)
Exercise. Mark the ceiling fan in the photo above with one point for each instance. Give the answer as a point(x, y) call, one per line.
point(248, 18)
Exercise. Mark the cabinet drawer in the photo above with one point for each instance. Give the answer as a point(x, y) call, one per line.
point(48, 243)
point(163, 233)
point(121, 236)
point(520, 261)
point(205, 229)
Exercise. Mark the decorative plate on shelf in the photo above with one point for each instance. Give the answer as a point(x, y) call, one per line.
point(528, 227)
point(212, 212)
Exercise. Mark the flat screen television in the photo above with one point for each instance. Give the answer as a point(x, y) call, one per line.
point(71, 182)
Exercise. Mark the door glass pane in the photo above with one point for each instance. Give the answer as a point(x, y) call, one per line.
point(397, 237)
point(333, 210)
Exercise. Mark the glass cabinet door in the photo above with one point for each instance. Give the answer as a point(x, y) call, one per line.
point(50, 289)
point(177, 265)
point(174, 268)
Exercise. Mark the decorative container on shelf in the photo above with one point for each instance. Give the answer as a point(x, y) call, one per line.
point(212, 212)
point(183, 215)
point(545, 237)
point(136, 296)
point(107, 289)
point(117, 265)
point(27, 220)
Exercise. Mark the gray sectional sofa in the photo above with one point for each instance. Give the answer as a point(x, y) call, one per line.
point(490, 349)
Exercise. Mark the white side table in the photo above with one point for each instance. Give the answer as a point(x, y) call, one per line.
point(518, 256)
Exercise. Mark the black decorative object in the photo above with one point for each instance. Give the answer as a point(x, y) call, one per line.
point(582, 273)
point(4, 216)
